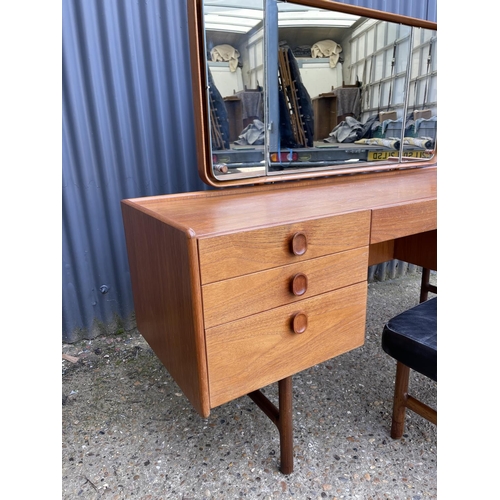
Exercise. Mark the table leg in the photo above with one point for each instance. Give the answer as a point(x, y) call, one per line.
point(282, 418)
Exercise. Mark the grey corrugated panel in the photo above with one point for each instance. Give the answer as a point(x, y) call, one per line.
point(391, 270)
point(127, 132)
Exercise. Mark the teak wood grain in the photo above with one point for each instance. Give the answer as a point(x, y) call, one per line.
point(244, 252)
point(227, 300)
point(381, 252)
point(400, 220)
point(253, 352)
point(165, 285)
point(210, 213)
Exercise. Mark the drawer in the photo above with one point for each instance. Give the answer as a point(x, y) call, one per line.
point(389, 223)
point(235, 298)
point(230, 255)
point(255, 351)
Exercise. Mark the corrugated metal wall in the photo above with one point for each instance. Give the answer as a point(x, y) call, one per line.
point(127, 132)
point(421, 9)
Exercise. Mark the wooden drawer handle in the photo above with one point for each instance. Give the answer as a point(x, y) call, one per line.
point(299, 244)
point(299, 322)
point(298, 284)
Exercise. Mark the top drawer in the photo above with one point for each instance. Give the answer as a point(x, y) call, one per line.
point(235, 254)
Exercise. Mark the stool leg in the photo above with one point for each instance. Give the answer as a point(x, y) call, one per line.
point(400, 397)
point(424, 285)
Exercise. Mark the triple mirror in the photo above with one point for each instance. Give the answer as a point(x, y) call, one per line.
point(308, 88)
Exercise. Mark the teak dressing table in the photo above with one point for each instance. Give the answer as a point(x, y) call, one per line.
point(240, 288)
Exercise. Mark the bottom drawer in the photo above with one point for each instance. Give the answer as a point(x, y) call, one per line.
point(255, 351)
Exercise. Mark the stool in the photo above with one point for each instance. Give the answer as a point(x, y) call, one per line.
point(411, 339)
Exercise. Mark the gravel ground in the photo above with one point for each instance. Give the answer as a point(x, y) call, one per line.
point(129, 432)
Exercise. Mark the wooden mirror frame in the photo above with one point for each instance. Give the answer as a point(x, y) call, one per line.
point(201, 110)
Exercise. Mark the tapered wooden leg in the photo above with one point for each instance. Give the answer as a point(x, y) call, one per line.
point(285, 425)
point(400, 398)
point(282, 418)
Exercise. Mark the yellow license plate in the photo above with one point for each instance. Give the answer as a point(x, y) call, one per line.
point(383, 155)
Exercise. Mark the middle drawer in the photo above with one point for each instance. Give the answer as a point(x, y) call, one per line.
point(235, 298)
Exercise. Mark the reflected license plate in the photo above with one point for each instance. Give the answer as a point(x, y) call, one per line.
point(383, 155)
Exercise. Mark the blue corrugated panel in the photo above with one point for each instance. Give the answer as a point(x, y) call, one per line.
point(421, 9)
point(127, 132)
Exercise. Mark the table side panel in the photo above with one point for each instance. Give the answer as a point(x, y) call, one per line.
point(245, 252)
point(250, 353)
point(165, 284)
point(381, 252)
point(242, 296)
point(419, 249)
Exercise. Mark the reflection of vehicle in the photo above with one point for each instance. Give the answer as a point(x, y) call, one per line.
point(319, 156)
point(239, 158)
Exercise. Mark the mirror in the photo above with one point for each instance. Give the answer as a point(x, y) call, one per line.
point(310, 88)
point(234, 41)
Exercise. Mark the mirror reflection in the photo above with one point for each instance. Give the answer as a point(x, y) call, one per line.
point(234, 41)
point(421, 117)
point(292, 87)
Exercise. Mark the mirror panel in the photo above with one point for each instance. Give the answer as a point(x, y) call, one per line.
point(339, 73)
point(234, 41)
point(420, 133)
point(300, 89)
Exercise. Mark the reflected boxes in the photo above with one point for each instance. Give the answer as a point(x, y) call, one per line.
point(333, 107)
point(422, 113)
point(387, 115)
point(325, 115)
point(234, 110)
point(243, 108)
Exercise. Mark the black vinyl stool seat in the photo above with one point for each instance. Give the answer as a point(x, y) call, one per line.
point(411, 339)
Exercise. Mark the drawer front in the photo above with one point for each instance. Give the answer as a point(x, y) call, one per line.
point(236, 298)
point(235, 254)
point(252, 352)
point(402, 220)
